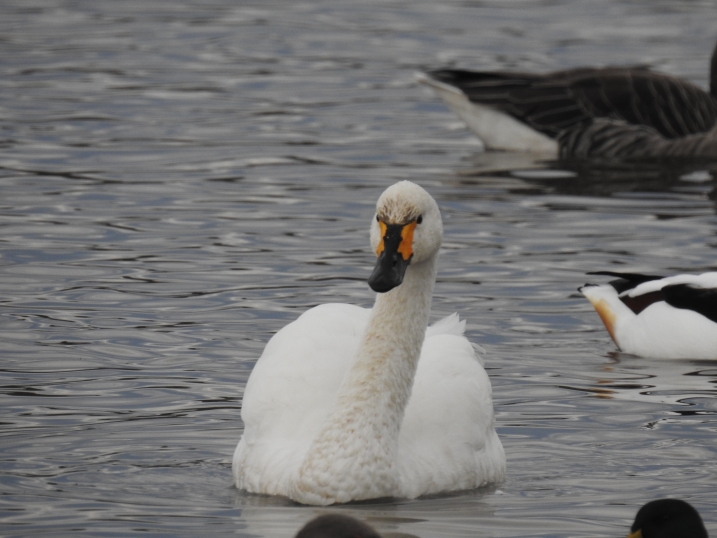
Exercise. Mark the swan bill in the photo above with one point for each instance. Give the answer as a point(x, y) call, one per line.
point(394, 254)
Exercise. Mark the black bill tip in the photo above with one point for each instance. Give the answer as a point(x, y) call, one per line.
point(388, 273)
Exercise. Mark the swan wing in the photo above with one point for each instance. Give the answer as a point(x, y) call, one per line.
point(449, 325)
point(448, 439)
point(290, 392)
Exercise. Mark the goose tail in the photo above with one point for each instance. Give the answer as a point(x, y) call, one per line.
point(496, 129)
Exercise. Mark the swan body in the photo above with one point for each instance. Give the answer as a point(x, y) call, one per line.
point(652, 316)
point(348, 403)
point(609, 113)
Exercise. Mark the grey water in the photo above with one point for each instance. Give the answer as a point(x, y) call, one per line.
point(178, 180)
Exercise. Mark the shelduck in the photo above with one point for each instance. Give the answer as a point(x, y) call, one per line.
point(665, 318)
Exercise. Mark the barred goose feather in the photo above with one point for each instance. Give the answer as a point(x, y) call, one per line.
point(608, 113)
point(663, 318)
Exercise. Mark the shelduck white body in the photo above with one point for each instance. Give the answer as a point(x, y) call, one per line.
point(348, 403)
point(664, 318)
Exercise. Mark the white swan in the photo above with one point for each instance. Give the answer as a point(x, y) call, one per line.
point(661, 318)
point(348, 403)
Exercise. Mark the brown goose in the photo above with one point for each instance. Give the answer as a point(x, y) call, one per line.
point(608, 113)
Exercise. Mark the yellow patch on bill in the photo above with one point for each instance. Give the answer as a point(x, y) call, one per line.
point(406, 246)
point(382, 227)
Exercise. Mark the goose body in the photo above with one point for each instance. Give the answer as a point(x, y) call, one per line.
point(651, 316)
point(348, 403)
point(608, 113)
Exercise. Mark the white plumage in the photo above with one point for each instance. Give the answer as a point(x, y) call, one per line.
point(670, 318)
point(340, 407)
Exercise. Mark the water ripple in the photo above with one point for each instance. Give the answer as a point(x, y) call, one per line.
point(180, 180)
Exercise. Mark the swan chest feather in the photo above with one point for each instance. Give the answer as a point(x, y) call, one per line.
point(290, 392)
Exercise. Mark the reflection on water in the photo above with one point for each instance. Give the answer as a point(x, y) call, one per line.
point(179, 180)
point(695, 180)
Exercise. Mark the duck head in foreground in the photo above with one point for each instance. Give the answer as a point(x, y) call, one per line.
point(337, 526)
point(668, 518)
point(348, 404)
point(662, 518)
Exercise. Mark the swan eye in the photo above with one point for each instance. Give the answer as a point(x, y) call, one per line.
point(419, 220)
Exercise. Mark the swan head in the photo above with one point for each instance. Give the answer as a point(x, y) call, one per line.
point(406, 230)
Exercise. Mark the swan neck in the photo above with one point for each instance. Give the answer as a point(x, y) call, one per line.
point(354, 455)
point(408, 305)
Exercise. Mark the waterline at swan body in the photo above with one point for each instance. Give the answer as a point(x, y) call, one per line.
point(348, 403)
